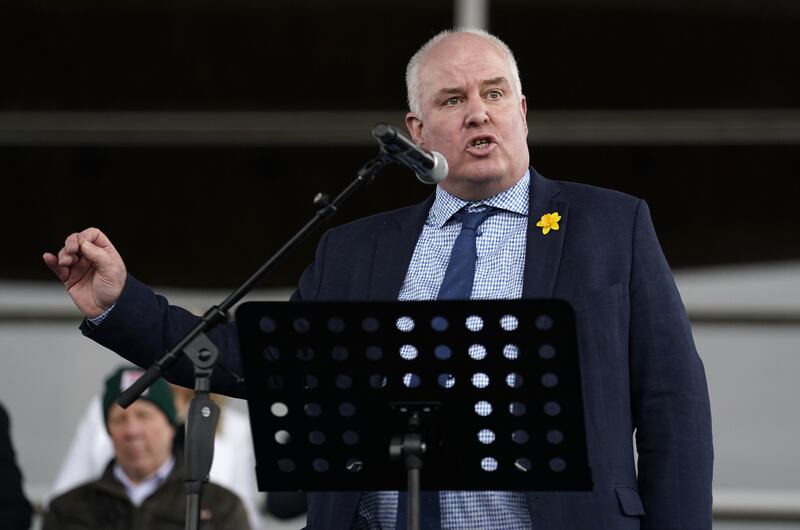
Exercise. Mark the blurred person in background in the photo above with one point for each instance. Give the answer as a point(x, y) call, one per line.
point(233, 466)
point(142, 487)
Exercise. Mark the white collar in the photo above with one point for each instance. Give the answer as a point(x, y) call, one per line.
point(137, 493)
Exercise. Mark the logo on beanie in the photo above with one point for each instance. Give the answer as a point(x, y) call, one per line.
point(128, 377)
point(159, 392)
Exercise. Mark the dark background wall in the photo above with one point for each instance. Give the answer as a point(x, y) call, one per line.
point(207, 213)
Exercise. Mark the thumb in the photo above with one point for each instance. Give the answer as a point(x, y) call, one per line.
point(93, 253)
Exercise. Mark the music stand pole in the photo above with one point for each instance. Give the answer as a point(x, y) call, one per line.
point(411, 449)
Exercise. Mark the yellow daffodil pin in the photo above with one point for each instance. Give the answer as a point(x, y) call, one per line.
point(549, 221)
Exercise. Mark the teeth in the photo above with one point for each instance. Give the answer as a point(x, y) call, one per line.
point(480, 144)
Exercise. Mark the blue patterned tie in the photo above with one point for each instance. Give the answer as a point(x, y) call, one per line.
point(457, 285)
point(460, 273)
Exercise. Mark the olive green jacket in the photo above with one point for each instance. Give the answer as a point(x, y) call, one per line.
point(104, 504)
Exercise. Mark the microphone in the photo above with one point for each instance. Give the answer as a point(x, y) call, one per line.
point(430, 166)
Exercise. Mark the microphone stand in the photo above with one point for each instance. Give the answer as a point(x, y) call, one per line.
point(203, 414)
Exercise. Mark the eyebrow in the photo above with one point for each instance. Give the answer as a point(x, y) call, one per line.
point(496, 81)
point(484, 84)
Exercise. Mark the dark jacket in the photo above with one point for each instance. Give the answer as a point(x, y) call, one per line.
point(15, 510)
point(640, 371)
point(104, 504)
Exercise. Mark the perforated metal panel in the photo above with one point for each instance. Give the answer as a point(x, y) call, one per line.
point(500, 381)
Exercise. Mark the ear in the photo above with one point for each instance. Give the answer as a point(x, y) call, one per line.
point(524, 109)
point(414, 126)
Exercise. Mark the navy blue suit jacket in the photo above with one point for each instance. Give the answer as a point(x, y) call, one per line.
point(641, 372)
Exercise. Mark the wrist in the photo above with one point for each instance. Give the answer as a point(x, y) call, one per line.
point(97, 320)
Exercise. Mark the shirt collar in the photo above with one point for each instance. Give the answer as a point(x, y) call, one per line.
point(515, 199)
point(138, 492)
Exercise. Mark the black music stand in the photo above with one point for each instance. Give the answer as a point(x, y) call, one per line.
point(357, 396)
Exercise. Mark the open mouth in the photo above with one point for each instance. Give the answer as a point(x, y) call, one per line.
point(481, 146)
point(481, 143)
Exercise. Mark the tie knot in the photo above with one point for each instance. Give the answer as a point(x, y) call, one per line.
point(473, 220)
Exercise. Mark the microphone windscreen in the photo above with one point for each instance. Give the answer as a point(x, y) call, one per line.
point(439, 171)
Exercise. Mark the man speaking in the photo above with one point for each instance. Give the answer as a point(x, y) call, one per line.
point(494, 229)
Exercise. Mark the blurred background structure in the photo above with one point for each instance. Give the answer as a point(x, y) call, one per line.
point(196, 134)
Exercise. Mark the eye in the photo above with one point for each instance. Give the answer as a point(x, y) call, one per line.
point(452, 101)
point(494, 94)
point(144, 415)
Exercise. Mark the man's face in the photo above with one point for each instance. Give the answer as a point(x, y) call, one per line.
point(472, 114)
point(142, 438)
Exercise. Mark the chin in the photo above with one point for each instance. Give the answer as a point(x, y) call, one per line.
point(484, 173)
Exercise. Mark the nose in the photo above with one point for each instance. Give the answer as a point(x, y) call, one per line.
point(131, 428)
point(477, 112)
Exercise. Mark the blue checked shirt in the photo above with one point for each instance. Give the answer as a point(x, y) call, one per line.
point(498, 275)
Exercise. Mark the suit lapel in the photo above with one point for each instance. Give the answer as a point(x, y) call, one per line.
point(393, 251)
point(543, 252)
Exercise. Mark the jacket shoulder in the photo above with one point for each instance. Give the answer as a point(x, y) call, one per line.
point(224, 508)
point(77, 507)
point(370, 223)
point(579, 193)
point(81, 493)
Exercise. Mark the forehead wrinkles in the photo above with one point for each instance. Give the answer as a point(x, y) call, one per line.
point(452, 66)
